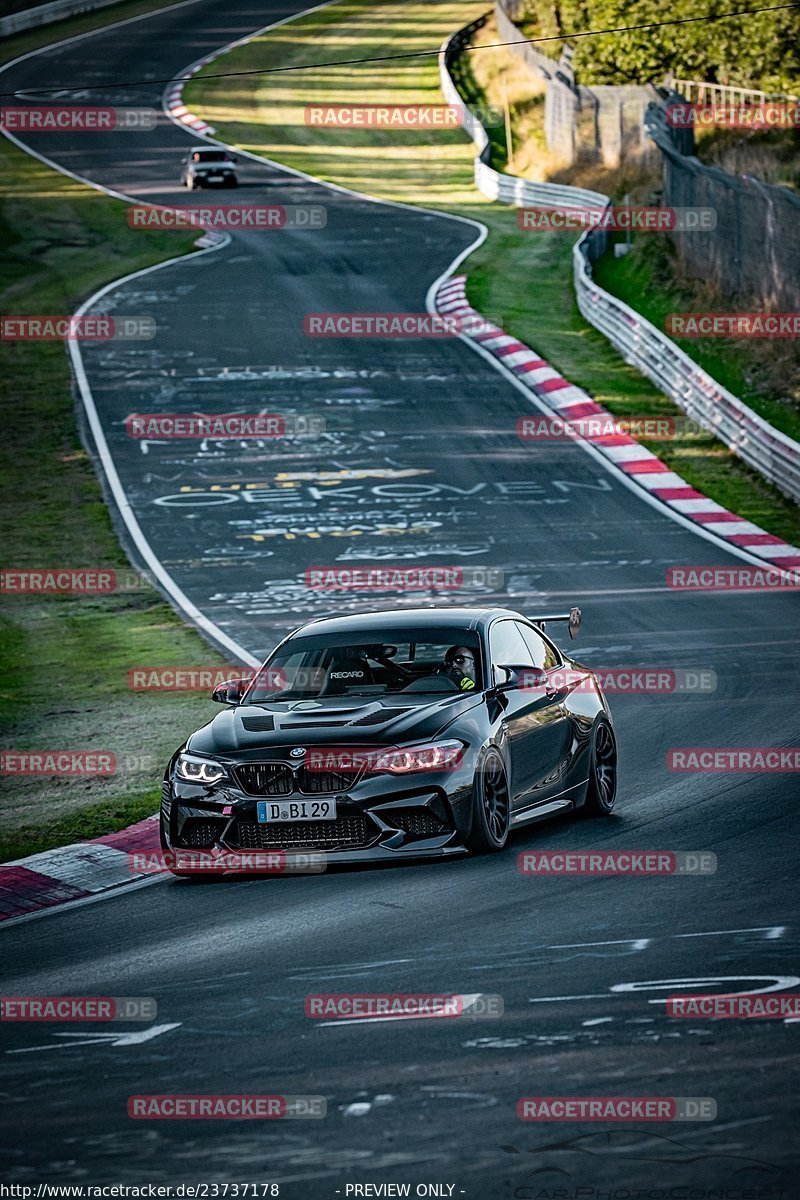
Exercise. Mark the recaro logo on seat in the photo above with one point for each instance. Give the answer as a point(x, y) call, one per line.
point(347, 674)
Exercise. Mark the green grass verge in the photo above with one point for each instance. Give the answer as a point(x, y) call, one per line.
point(65, 659)
point(83, 824)
point(648, 279)
point(521, 279)
point(771, 155)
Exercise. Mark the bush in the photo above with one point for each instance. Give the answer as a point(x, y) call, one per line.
point(762, 51)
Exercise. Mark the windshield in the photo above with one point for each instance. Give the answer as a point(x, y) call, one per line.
point(209, 156)
point(405, 661)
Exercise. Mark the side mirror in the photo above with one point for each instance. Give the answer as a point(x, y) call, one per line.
point(527, 677)
point(533, 679)
point(233, 158)
point(184, 161)
point(574, 623)
point(229, 692)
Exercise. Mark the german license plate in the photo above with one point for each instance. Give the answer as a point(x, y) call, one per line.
point(215, 179)
point(296, 810)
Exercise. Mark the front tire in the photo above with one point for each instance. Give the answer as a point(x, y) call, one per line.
point(491, 806)
point(601, 791)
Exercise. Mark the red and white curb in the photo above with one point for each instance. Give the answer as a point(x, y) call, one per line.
point(177, 110)
point(623, 452)
point(75, 872)
point(173, 100)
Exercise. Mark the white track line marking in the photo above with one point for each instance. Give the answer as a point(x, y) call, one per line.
point(770, 932)
point(167, 583)
point(634, 943)
point(467, 1000)
point(132, 1038)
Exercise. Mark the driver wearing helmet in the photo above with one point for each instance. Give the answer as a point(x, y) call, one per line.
point(459, 665)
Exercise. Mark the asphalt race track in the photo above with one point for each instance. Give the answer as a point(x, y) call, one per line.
point(423, 434)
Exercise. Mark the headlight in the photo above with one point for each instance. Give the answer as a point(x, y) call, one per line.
point(198, 770)
point(438, 756)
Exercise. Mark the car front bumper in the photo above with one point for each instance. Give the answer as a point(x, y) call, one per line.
point(379, 819)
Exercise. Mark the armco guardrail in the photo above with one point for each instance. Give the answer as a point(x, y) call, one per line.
point(772, 453)
point(510, 189)
point(43, 14)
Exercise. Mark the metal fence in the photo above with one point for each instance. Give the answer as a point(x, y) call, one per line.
point(772, 453)
point(582, 124)
point(561, 99)
point(755, 249)
point(697, 91)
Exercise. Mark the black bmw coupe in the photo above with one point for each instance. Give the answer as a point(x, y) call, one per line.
point(400, 734)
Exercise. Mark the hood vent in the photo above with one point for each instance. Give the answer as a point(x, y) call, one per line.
point(321, 720)
point(258, 724)
point(380, 717)
point(331, 718)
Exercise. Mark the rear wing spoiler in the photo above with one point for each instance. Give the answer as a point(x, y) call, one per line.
point(573, 619)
